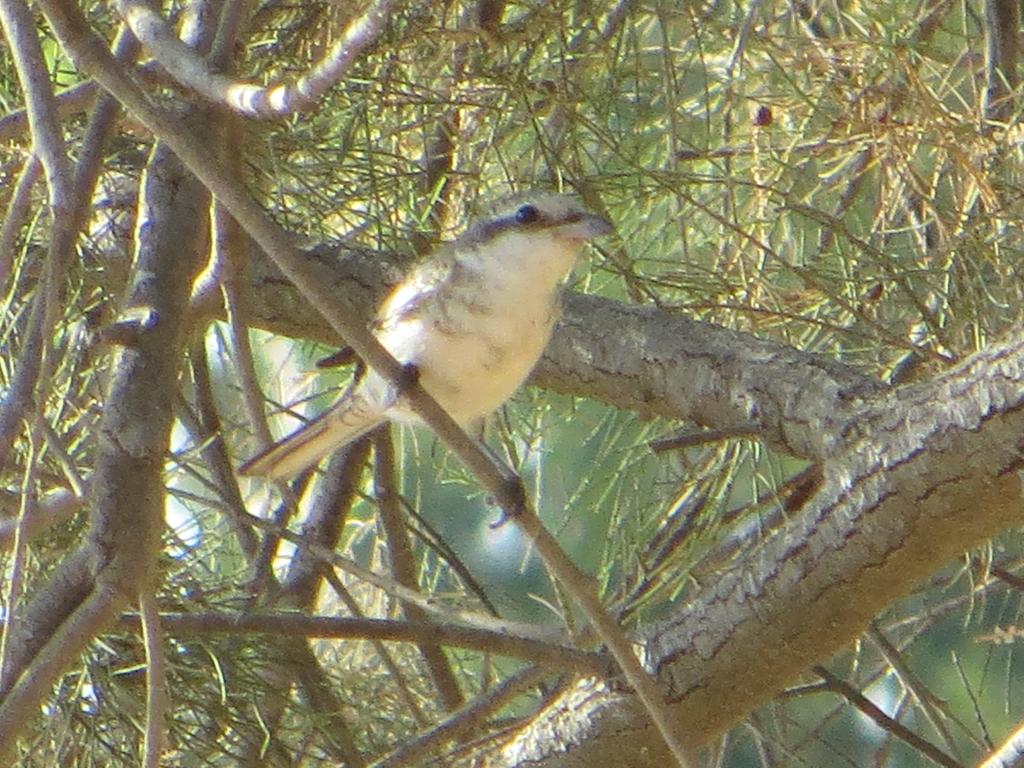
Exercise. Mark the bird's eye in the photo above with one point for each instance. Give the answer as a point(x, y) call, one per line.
point(527, 214)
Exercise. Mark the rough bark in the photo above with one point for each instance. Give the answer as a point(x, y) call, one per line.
point(912, 477)
point(119, 557)
point(641, 359)
point(917, 477)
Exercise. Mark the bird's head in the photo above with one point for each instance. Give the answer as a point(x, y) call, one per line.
point(562, 218)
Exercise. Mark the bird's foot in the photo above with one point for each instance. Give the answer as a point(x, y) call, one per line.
point(410, 377)
point(511, 498)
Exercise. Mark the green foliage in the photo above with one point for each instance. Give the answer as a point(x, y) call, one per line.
point(818, 174)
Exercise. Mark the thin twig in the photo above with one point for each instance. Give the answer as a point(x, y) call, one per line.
point(867, 708)
point(388, 585)
point(395, 674)
point(26, 512)
point(43, 117)
point(48, 145)
point(691, 437)
point(582, 590)
point(385, 481)
point(979, 719)
point(464, 720)
point(71, 637)
point(208, 433)
point(913, 684)
point(1002, 51)
point(296, 625)
point(325, 520)
point(17, 211)
point(157, 703)
point(231, 256)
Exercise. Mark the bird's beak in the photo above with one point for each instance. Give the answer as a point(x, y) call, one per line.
point(586, 228)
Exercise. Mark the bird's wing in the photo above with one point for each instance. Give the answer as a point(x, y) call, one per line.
point(415, 294)
point(355, 413)
point(420, 287)
point(349, 419)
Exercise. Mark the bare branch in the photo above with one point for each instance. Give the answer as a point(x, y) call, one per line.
point(391, 587)
point(329, 511)
point(640, 358)
point(295, 625)
point(44, 120)
point(882, 519)
point(17, 210)
point(285, 99)
point(279, 100)
point(27, 506)
point(70, 101)
point(127, 497)
point(157, 702)
point(68, 207)
point(399, 678)
point(464, 721)
point(1002, 36)
point(53, 508)
point(866, 707)
point(385, 490)
point(21, 702)
point(208, 432)
point(48, 146)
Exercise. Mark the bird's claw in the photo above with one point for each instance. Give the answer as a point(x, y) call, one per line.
point(511, 498)
point(410, 377)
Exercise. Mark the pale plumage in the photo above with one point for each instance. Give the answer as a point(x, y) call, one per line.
point(473, 319)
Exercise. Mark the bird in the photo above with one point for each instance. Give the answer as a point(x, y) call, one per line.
point(471, 320)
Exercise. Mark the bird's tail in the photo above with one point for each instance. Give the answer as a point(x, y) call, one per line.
point(347, 421)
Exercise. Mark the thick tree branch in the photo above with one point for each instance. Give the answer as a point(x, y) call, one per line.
point(642, 359)
point(506, 488)
point(917, 477)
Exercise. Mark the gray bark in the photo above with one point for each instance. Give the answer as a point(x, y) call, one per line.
point(911, 477)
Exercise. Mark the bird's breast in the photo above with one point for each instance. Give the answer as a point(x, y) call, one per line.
point(473, 353)
point(477, 334)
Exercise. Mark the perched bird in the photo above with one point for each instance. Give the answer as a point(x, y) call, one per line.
point(473, 319)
